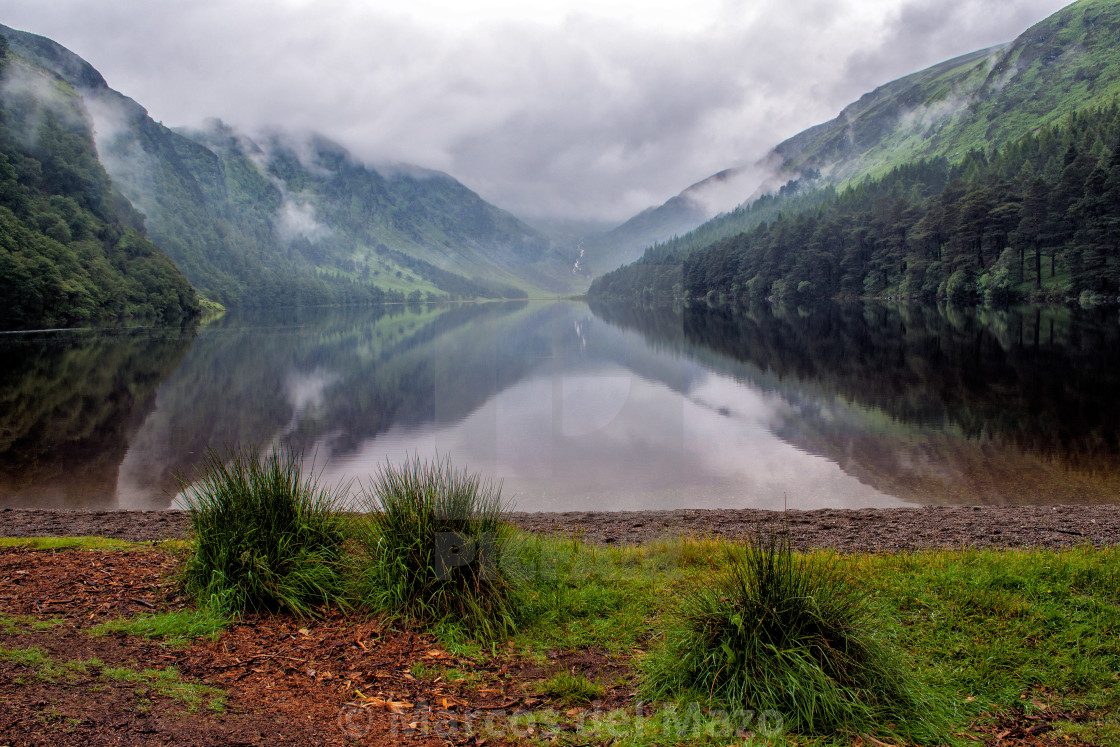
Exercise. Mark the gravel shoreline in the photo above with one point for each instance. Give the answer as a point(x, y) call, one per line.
point(855, 530)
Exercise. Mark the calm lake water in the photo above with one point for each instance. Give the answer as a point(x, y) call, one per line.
point(579, 408)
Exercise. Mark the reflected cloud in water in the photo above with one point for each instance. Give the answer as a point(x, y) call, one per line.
point(578, 409)
point(597, 437)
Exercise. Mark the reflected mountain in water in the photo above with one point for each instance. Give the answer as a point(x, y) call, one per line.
point(607, 408)
point(598, 419)
point(322, 380)
point(70, 404)
point(932, 405)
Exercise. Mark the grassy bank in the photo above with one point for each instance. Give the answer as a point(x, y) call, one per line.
point(988, 635)
point(708, 641)
point(990, 638)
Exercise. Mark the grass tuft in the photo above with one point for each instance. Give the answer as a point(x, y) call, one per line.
point(433, 543)
point(572, 689)
point(778, 631)
point(267, 538)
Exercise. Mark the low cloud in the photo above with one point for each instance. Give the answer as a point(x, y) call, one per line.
point(296, 219)
point(579, 114)
point(24, 82)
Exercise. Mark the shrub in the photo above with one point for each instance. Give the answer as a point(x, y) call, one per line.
point(779, 631)
point(433, 541)
point(267, 538)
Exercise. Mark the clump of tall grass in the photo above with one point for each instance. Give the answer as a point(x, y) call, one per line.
point(434, 541)
point(267, 538)
point(778, 631)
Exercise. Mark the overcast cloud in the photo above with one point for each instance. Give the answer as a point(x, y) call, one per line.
point(572, 108)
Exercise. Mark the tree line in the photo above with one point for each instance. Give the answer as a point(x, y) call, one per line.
point(1036, 220)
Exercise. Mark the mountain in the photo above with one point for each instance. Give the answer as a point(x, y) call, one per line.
point(1063, 64)
point(677, 216)
point(286, 218)
point(1038, 220)
point(992, 177)
point(72, 249)
point(985, 99)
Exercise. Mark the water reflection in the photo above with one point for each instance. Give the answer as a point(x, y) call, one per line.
point(70, 403)
point(323, 380)
point(931, 405)
point(605, 422)
point(612, 407)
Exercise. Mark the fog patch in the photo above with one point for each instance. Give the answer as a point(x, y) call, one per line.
point(316, 154)
point(1003, 71)
point(732, 188)
point(131, 168)
point(296, 216)
point(923, 119)
point(400, 170)
point(306, 394)
point(296, 219)
point(22, 81)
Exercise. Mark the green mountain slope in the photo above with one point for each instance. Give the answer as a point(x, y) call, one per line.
point(625, 243)
point(991, 177)
point(337, 212)
point(72, 250)
point(296, 219)
point(991, 97)
point(1037, 219)
point(981, 100)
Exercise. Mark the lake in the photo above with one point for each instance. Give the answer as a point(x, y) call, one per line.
point(585, 408)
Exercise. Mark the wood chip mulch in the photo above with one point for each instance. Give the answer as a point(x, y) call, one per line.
point(335, 680)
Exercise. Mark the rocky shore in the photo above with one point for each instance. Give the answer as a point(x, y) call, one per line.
point(859, 530)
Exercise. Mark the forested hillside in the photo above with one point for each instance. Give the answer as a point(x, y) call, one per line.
point(1038, 218)
point(72, 250)
point(294, 219)
point(1065, 64)
point(1061, 65)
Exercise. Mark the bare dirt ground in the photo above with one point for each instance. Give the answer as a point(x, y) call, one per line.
point(356, 680)
point(281, 680)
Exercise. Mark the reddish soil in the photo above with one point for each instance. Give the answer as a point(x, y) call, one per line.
point(337, 680)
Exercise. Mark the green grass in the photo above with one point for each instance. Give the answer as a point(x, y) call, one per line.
point(165, 682)
point(572, 595)
point(571, 688)
point(432, 547)
point(984, 633)
point(995, 626)
point(177, 628)
point(169, 683)
point(24, 657)
point(266, 537)
point(790, 633)
point(16, 624)
point(73, 543)
point(47, 668)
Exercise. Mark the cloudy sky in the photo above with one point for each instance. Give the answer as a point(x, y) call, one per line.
point(590, 109)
